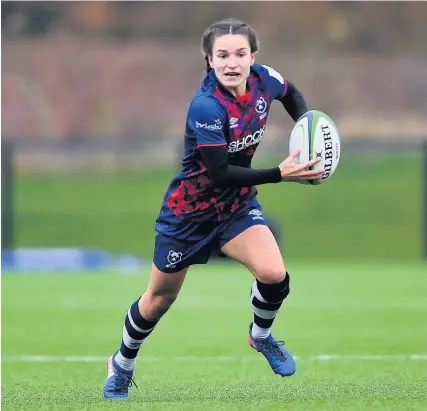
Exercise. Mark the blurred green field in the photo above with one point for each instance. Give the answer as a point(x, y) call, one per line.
point(370, 209)
point(198, 357)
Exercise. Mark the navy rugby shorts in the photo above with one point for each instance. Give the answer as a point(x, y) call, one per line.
point(193, 243)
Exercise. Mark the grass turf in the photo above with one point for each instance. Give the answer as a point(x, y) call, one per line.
point(371, 208)
point(198, 357)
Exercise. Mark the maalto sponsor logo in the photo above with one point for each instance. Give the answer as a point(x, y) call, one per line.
point(212, 127)
point(256, 214)
point(245, 142)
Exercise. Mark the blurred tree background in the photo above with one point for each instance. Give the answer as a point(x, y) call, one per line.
point(95, 94)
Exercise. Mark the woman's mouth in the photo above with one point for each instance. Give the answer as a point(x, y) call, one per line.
point(232, 75)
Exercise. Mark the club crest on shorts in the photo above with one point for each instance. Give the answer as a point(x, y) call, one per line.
point(173, 258)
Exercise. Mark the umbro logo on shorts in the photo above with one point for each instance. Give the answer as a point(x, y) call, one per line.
point(256, 214)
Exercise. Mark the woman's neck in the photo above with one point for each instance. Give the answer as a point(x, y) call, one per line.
point(240, 90)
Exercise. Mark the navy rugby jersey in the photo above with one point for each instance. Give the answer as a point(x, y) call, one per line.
point(215, 117)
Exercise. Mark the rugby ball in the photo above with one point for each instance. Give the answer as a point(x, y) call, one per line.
point(316, 135)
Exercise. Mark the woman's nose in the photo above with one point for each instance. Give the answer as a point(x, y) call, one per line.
point(232, 62)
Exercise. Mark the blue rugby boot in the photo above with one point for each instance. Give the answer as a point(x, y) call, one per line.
point(118, 380)
point(280, 360)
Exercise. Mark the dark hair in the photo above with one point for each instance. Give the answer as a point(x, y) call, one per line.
point(222, 28)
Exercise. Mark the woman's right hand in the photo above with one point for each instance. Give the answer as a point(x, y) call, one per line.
point(300, 173)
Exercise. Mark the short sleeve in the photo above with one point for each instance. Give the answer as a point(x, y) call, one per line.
point(206, 119)
point(277, 84)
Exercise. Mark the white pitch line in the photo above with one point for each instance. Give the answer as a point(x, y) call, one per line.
point(194, 359)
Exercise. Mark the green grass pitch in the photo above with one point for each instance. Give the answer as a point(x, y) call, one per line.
point(368, 320)
point(377, 200)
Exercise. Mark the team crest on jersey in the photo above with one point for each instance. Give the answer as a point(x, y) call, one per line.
point(261, 107)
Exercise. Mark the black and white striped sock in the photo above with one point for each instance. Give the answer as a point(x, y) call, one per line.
point(135, 330)
point(265, 310)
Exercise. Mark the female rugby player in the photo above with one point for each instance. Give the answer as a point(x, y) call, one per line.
point(211, 204)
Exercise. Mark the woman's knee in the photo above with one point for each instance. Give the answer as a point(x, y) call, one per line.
point(269, 274)
point(153, 306)
point(162, 291)
point(274, 291)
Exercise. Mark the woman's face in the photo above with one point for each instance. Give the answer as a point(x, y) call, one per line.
point(231, 60)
